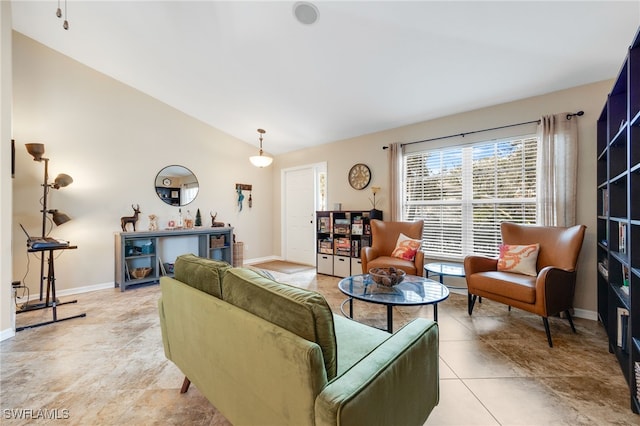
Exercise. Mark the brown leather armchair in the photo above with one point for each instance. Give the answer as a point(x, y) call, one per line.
point(548, 293)
point(384, 237)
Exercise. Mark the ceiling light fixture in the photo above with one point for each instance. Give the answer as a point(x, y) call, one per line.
point(65, 25)
point(261, 160)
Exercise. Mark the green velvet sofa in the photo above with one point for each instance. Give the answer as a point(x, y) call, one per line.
point(267, 353)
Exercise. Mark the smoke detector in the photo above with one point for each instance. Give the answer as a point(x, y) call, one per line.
point(306, 13)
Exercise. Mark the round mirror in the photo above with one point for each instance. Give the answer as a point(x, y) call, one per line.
point(176, 185)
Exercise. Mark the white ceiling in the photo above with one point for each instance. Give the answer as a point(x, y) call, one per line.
point(363, 67)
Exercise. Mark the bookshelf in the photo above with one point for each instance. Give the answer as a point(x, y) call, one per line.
point(618, 220)
point(340, 236)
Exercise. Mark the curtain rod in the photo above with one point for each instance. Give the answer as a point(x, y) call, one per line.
point(569, 116)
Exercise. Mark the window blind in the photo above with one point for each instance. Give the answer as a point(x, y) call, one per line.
point(463, 193)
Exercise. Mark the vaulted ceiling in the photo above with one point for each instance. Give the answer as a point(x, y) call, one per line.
point(362, 67)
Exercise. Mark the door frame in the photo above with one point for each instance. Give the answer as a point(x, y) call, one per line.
point(320, 180)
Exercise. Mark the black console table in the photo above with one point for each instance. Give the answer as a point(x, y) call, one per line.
point(51, 301)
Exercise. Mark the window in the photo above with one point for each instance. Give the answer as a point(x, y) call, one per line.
point(463, 193)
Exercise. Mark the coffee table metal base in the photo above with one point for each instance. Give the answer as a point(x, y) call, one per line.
point(389, 313)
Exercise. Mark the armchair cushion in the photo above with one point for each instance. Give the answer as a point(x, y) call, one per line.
point(519, 259)
point(513, 286)
point(406, 248)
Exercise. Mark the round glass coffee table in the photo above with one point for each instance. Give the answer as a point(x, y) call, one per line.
point(412, 291)
point(443, 269)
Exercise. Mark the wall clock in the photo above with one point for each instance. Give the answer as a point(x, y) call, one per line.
point(166, 182)
point(359, 176)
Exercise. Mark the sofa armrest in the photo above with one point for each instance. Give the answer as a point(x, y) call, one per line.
point(475, 264)
point(397, 383)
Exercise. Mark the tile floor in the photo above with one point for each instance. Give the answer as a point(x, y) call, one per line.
point(496, 367)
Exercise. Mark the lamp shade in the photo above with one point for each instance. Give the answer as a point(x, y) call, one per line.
point(36, 150)
point(261, 160)
point(62, 180)
point(59, 218)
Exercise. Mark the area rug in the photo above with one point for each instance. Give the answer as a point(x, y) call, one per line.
point(283, 266)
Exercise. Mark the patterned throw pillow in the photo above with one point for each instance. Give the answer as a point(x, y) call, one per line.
point(519, 259)
point(406, 248)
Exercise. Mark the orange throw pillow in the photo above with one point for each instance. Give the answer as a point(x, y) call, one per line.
point(519, 259)
point(406, 248)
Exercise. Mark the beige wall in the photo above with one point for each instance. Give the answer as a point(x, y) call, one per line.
point(7, 313)
point(113, 140)
point(341, 155)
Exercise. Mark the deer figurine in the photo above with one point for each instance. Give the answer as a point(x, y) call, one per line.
point(215, 224)
point(130, 219)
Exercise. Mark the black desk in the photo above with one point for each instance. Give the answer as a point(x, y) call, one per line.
point(51, 301)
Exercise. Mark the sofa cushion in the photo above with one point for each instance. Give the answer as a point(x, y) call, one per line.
point(355, 341)
point(201, 273)
point(302, 312)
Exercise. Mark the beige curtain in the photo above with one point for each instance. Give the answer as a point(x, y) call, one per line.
point(395, 181)
point(557, 164)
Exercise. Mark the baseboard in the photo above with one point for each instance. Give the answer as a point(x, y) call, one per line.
point(583, 313)
point(86, 289)
point(7, 334)
point(261, 260)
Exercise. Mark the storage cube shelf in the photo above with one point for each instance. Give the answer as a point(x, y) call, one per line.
point(618, 220)
point(340, 236)
point(137, 257)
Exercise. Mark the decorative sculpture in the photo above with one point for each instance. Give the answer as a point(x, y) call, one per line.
point(124, 220)
point(153, 222)
point(215, 224)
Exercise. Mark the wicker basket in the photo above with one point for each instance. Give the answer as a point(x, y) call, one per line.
point(140, 272)
point(217, 242)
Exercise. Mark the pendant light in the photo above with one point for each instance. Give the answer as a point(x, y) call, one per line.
point(261, 160)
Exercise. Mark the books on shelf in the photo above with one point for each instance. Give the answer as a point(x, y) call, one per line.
point(325, 246)
point(357, 229)
point(602, 267)
point(341, 226)
point(324, 224)
point(636, 367)
point(622, 238)
point(342, 247)
point(625, 277)
point(623, 328)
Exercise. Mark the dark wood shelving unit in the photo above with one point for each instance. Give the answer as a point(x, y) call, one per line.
point(340, 235)
point(618, 220)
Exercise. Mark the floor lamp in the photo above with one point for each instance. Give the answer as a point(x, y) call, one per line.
point(36, 150)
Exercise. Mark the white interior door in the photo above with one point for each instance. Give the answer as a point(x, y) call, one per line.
point(299, 208)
